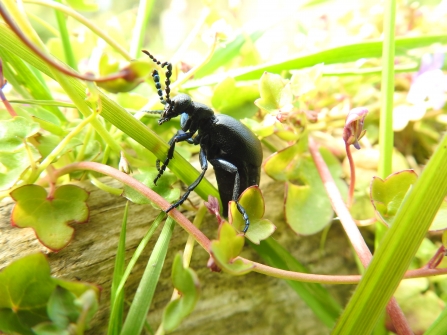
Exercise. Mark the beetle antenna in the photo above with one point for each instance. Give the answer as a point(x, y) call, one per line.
point(156, 77)
point(154, 112)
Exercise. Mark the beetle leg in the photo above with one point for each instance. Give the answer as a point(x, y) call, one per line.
point(179, 137)
point(204, 166)
point(227, 166)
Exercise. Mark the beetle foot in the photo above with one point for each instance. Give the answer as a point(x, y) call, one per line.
point(245, 216)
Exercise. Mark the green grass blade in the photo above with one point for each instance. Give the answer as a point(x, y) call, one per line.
point(314, 295)
point(65, 38)
point(223, 56)
point(439, 326)
point(386, 135)
point(140, 28)
point(140, 306)
point(117, 297)
point(341, 54)
point(117, 291)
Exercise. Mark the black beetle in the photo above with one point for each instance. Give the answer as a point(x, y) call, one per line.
point(231, 148)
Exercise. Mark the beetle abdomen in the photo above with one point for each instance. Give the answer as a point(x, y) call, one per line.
point(233, 142)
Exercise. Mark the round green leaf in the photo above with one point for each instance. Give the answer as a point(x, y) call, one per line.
point(277, 165)
point(307, 208)
point(227, 248)
point(132, 75)
point(234, 100)
point(186, 282)
point(50, 216)
point(276, 94)
point(306, 80)
point(253, 202)
point(440, 220)
point(25, 290)
point(387, 195)
point(14, 131)
point(163, 187)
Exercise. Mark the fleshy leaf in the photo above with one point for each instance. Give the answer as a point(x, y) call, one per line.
point(15, 155)
point(253, 202)
point(387, 195)
point(186, 282)
point(420, 305)
point(440, 220)
point(132, 74)
point(234, 100)
point(46, 144)
point(277, 165)
point(61, 307)
point(14, 131)
point(276, 94)
point(25, 289)
point(306, 80)
point(13, 164)
point(163, 187)
point(50, 216)
point(49, 328)
point(261, 129)
point(131, 100)
point(307, 207)
point(227, 248)
point(88, 302)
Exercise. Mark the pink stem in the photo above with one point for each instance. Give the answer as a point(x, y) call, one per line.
point(437, 258)
point(352, 172)
point(351, 229)
point(124, 74)
point(205, 242)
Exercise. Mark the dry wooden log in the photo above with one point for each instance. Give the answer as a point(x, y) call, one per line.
point(250, 304)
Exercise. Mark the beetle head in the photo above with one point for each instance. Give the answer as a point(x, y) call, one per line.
point(178, 105)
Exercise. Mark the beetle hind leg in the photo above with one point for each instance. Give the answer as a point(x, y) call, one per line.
point(231, 168)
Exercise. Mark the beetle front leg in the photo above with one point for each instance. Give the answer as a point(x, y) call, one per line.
point(179, 137)
point(231, 168)
point(204, 166)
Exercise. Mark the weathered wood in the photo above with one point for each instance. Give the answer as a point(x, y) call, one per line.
point(251, 304)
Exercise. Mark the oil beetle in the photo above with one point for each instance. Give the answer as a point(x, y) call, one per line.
point(231, 148)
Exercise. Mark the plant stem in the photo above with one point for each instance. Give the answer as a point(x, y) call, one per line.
point(352, 231)
point(205, 242)
point(352, 174)
point(93, 27)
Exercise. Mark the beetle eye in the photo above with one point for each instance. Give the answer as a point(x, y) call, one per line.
point(165, 116)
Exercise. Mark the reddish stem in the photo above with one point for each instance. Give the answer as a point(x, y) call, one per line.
point(352, 174)
point(8, 106)
point(351, 229)
point(339, 206)
point(143, 189)
point(124, 74)
point(437, 258)
point(205, 242)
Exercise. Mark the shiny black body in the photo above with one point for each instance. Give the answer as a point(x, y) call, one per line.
point(233, 142)
point(231, 148)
